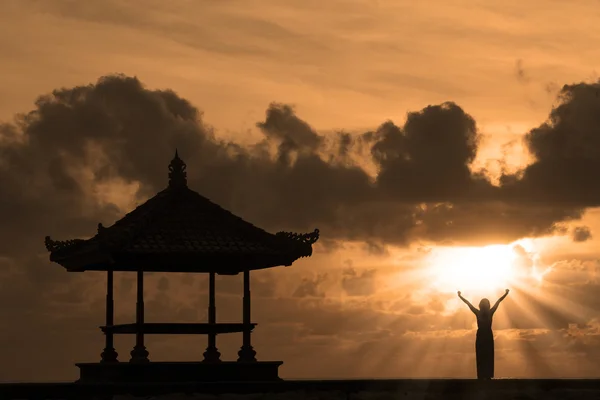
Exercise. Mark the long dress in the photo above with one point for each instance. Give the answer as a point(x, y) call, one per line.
point(484, 346)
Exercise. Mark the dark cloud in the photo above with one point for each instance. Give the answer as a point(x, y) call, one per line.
point(293, 134)
point(428, 159)
point(566, 149)
point(581, 234)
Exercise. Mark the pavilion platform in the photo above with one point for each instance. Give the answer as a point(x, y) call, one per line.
point(173, 372)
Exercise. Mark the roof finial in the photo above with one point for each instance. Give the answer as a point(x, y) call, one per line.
point(177, 174)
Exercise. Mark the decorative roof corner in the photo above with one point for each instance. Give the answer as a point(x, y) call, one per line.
point(56, 245)
point(177, 172)
point(305, 238)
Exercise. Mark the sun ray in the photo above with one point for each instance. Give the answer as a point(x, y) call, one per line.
point(420, 352)
point(527, 308)
point(562, 304)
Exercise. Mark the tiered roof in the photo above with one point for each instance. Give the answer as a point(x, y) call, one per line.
point(179, 230)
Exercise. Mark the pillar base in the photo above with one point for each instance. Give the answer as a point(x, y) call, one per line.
point(109, 355)
point(139, 354)
point(247, 354)
point(212, 355)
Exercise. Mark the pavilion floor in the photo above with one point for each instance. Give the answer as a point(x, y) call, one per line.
point(179, 372)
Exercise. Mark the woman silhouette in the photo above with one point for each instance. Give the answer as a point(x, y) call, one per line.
point(484, 343)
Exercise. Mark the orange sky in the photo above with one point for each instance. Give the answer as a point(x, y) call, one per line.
point(343, 64)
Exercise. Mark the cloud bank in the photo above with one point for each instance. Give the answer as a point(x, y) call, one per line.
point(396, 184)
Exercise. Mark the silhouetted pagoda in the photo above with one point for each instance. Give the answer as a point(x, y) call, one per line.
point(178, 230)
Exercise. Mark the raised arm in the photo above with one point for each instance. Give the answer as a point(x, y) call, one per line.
point(475, 311)
point(493, 310)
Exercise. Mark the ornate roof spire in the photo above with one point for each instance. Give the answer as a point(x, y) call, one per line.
point(177, 174)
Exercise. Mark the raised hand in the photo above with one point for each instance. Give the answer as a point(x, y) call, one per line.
point(459, 292)
point(507, 291)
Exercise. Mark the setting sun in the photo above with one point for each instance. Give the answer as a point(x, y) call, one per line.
point(472, 269)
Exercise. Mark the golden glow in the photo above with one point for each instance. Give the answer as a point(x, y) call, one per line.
point(478, 270)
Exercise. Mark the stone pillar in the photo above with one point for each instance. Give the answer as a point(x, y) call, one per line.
point(247, 353)
point(212, 353)
point(139, 352)
point(109, 354)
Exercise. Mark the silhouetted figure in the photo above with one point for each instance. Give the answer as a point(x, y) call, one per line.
point(484, 343)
